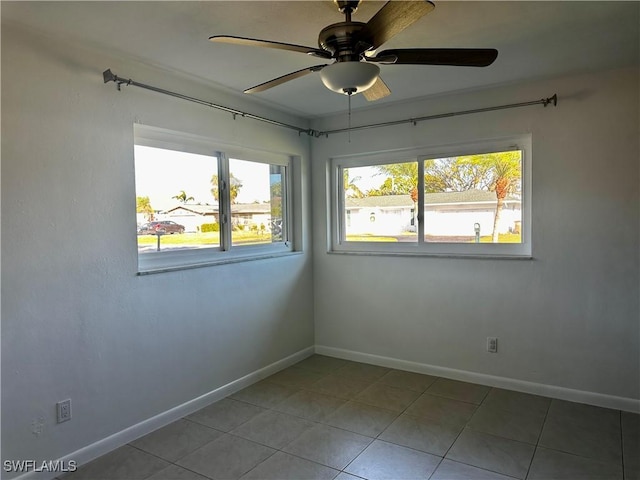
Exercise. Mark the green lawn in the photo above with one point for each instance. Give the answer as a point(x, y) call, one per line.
point(209, 238)
point(503, 238)
point(370, 238)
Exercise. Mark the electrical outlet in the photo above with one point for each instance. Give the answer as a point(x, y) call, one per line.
point(63, 409)
point(492, 344)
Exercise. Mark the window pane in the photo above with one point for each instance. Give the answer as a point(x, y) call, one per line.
point(257, 202)
point(177, 205)
point(380, 203)
point(474, 198)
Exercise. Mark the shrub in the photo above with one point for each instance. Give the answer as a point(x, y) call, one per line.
point(210, 227)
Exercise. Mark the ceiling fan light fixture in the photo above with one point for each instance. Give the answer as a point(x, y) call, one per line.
point(349, 77)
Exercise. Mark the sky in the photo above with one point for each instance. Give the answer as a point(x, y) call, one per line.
point(162, 174)
point(366, 178)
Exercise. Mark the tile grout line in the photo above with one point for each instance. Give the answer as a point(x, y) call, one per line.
point(399, 414)
point(454, 441)
point(624, 474)
point(579, 455)
point(535, 450)
point(315, 422)
point(171, 463)
point(462, 430)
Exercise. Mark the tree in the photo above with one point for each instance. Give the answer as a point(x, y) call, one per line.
point(351, 190)
point(182, 197)
point(402, 179)
point(143, 205)
point(457, 174)
point(506, 175)
point(276, 200)
point(234, 187)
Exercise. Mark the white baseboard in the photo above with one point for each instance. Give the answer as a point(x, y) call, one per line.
point(580, 396)
point(106, 445)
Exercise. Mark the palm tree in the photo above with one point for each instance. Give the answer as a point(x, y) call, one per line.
point(182, 197)
point(143, 205)
point(235, 184)
point(350, 188)
point(507, 172)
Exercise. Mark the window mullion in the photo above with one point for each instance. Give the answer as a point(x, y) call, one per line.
point(340, 210)
point(224, 202)
point(287, 219)
point(420, 207)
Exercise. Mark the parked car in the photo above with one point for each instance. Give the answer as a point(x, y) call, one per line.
point(162, 227)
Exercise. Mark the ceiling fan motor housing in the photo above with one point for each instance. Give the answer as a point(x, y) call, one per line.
point(342, 40)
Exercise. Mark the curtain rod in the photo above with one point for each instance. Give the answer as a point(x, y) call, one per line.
point(544, 101)
point(108, 76)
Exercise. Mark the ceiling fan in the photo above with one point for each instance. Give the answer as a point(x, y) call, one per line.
point(350, 45)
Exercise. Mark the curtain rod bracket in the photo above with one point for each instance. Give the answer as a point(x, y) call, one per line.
point(109, 76)
point(549, 100)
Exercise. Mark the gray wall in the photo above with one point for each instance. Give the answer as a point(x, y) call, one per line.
point(569, 317)
point(76, 320)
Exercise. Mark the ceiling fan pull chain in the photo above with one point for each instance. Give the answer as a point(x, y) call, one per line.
point(349, 134)
point(349, 92)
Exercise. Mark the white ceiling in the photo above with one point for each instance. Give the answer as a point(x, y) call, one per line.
point(534, 40)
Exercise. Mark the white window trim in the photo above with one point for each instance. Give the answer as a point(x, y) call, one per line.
point(337, 243)
point(156, 262)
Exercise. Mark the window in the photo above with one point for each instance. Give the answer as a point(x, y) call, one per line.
point(256, 213)
point(467, 200)
point(200, 203)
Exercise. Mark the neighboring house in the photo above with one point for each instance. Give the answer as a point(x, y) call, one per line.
point(456, 213)
point(380, 215)
point(242, 214)
point(446, 214)
point(191, 216)
point(247, 214)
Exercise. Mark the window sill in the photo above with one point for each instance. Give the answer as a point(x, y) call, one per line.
point(432, 255)
point(214, 262)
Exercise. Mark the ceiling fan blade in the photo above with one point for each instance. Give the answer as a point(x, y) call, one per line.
point(253, 42)
point(393, 18)
point(285, 78)
point(377, 91)
point(459, 57)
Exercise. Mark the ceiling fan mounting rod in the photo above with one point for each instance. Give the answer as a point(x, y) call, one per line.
point(347, 7)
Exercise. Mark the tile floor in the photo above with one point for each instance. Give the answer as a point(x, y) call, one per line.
point(327, 418)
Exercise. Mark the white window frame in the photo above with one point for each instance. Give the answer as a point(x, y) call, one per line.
point(339, 244)
point(154, 262)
